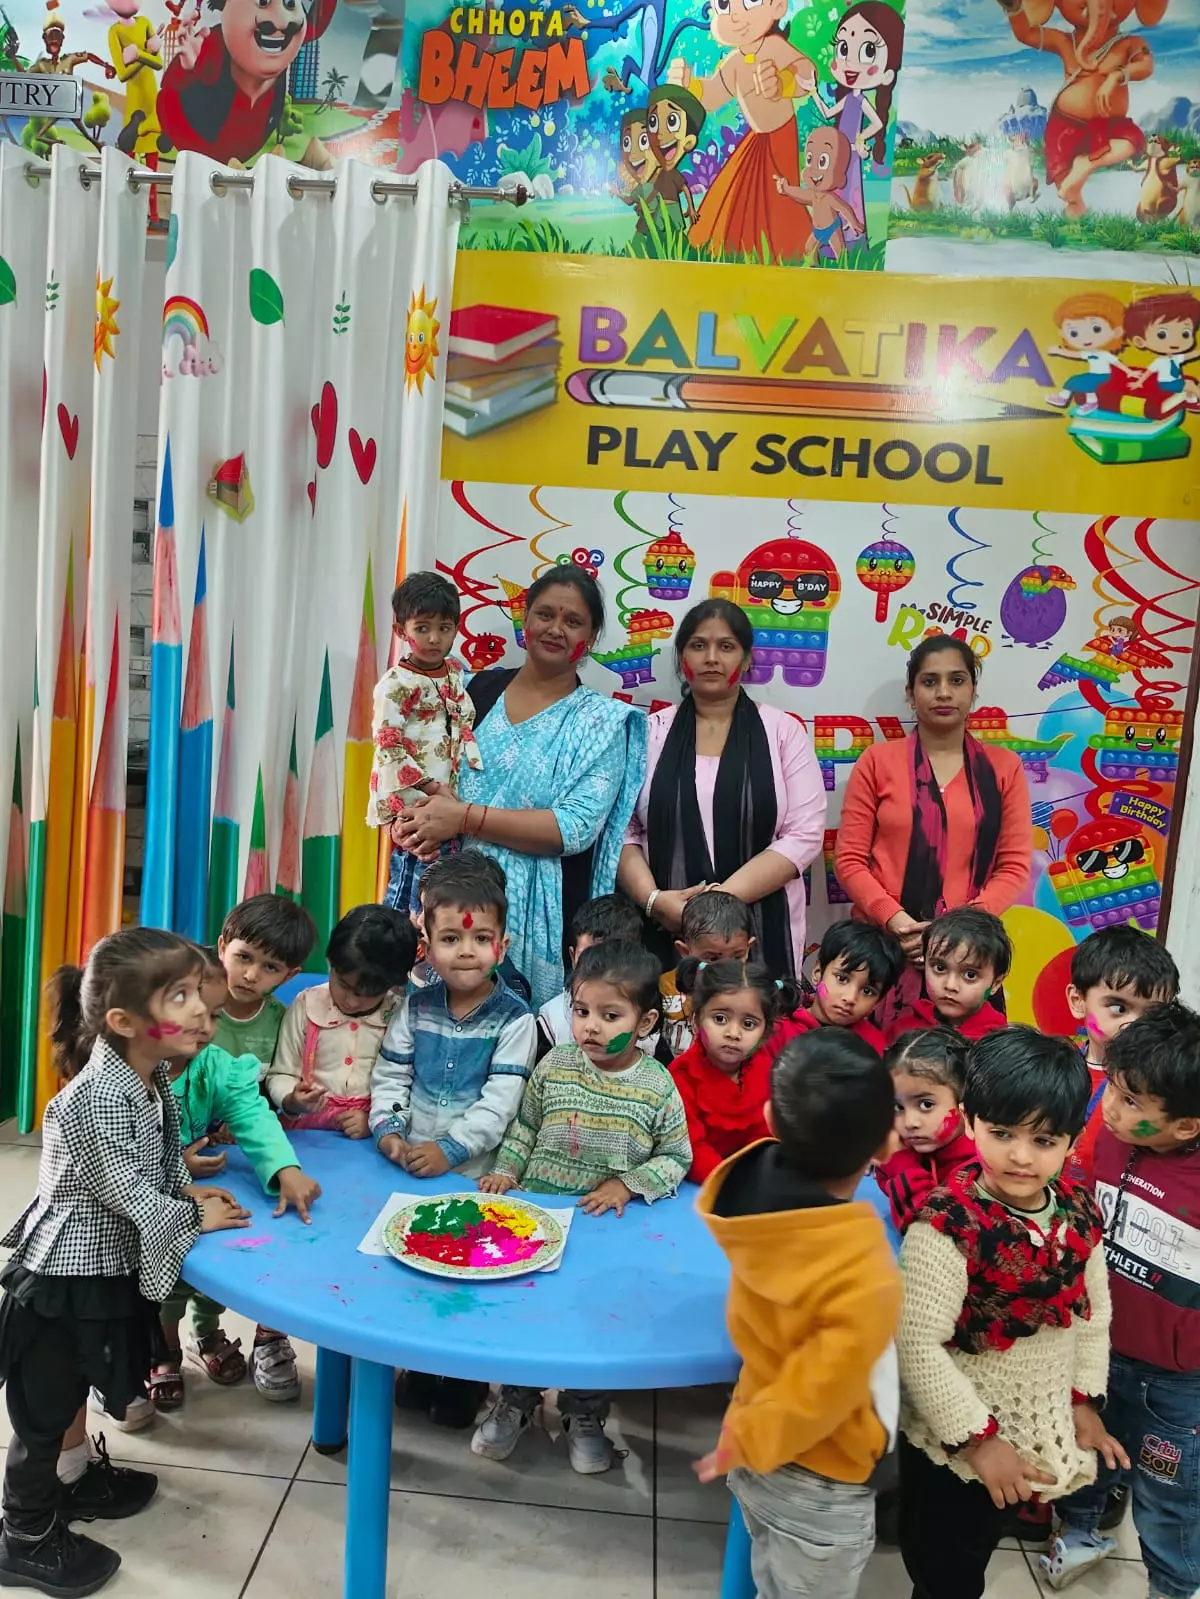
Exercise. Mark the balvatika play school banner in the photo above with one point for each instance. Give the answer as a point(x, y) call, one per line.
point(665, 376)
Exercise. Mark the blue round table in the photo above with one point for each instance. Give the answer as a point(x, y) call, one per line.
point(638, 1302)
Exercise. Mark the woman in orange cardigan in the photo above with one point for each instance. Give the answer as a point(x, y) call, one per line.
point(936, 820)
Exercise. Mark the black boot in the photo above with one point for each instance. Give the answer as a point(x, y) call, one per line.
point(457, 1403)
point(106, 1492)
point(61, 1563)
point(1114, 1509)
point(416, 1390)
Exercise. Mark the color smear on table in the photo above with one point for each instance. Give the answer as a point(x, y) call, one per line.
point(468, 1232)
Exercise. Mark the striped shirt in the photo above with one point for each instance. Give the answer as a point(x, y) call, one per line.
point(579, 1126)
point(454, 1081)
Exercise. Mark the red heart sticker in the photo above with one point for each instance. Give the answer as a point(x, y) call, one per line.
point(324, 421)
point(312, 496)
point(363, 452)
point(68, 426)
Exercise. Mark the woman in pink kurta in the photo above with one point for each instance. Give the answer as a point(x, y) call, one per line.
point(733, 796)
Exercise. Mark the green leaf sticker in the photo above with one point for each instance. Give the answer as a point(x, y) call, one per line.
point(341, 314)
point(266, 297)
point(51, 294)
point(172, 239)
point(8, 283)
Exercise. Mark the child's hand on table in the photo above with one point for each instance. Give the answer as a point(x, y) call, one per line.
point(1091, 1433)
point(427, 1160)
point(496, 1183)
point(395, 1148)
point(716, 1463)
point(354, 1123)
point(304, 1100)
point(200, 1165)
point(609, 1195)
point(218, 1209)
point(1002, 1472)
point(298, 1189)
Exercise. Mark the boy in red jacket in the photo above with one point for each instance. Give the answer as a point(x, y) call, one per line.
point(1148, 1191)
point(929, 1071)
point(1117, 975)
point(967, 955)
point(857, 964)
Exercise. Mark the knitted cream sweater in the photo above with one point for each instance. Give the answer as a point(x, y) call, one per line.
point(948, 1395)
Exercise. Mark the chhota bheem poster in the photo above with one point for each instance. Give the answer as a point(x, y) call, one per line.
point(720, 130)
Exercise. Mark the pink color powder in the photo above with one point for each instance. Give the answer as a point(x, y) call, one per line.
point(1093, 1027)
point(163, 1030)
point(506, 1249)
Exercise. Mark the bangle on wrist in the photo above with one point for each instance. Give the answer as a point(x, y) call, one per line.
point(648, 907)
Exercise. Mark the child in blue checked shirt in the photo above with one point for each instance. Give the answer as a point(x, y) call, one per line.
point(453, 1067)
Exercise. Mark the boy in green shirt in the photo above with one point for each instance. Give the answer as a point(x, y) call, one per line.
point(264, 941)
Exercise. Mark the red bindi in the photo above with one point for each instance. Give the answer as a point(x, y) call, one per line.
point(468, 920)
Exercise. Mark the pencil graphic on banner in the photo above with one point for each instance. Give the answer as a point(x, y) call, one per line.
point(360, 842)
point(12, 948)
point(104, 857)
point(166, 674)
point(321, 850)
point(287, 872)
point(226, 833)
point(85, 735)
point(35, 882)
point(618, 388)
point(194, 811)
point(257, 873)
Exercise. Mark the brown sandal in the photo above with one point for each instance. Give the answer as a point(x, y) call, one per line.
point(166, 1383)
point(219, 1359)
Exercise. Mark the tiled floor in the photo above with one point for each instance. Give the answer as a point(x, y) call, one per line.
point(247, 1510)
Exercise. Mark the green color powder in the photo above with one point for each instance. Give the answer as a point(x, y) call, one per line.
point(619, 1044)
point(1146, 1130)
point(455, 1218)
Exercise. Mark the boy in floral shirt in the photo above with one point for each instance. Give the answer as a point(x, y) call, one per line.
point(422, 722)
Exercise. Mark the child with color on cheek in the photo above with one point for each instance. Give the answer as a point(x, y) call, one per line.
point(857, 965)
point(966, 955)
point(724, 1076)
point(1117, 975)
point(928, 1072)
point(602, 1120)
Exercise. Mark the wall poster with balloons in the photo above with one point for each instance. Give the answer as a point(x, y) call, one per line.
point(1082, 612)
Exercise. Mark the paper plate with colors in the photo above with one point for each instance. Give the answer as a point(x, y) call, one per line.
point(474, 1236)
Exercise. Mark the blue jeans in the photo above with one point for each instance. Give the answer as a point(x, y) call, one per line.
point(1156, 1415)
point(404, 877)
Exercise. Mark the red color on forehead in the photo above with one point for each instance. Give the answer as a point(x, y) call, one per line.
point(468, 920)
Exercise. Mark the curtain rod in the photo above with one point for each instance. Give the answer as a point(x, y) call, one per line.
point(381, 189)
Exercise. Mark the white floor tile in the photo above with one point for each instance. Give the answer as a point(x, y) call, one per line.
point(460, 1548)
point(10, 1135)
point(689, 1559)
point(429, 1459)
point(1111, 1579)
point(198, 1538)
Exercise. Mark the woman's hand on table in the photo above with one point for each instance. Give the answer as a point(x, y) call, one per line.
point(428, 823)
point(394, 1148)
point(201, 1165)
point(609, 1195)
point(496, 1183)
point(353, 1123)
point(427, 1160)
point(298, 1189)
point(219, 1209)
point(909, 932)
point(667, 909)
point(304, 1100)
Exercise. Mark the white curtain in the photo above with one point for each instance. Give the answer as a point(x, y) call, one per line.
point(292, 438)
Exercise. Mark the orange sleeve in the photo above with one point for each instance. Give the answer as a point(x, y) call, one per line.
point(857, 838)
point(1014, 846)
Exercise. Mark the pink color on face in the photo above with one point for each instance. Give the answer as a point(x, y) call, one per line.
point(822, 990)
point(163, 1030)
point(577, 653)
point(468, 920)
point(1093, 1027)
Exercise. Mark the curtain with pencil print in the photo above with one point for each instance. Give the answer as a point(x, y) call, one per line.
point(299, 446)
point(71, 253)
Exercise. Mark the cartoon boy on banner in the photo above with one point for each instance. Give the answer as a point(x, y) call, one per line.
point(224, 89)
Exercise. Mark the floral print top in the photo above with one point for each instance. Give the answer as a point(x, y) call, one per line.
point(420, 728)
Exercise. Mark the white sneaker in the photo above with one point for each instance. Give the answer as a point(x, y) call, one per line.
point(1071, 1553)
point(499, 1433)
point(589, 1446)
point(273, 1367)
point(139, 1413)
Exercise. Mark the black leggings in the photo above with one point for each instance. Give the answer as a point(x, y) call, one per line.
point(949, 1528)
point(45, 1389)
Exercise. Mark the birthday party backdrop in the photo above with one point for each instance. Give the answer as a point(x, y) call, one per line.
point(1084, 625)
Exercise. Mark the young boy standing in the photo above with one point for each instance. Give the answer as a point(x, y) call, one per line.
point(715, 926)
point(1117, 975)
point(1003, 1336)
point(857, 964)
point(1148, 1189)
point(423, 721)
point(967, 955)
point(264, 941)
point(813, 1303)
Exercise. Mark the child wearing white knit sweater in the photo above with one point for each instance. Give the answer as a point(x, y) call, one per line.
point(1003, 1337)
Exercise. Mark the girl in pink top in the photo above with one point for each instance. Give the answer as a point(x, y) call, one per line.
point(733, 797)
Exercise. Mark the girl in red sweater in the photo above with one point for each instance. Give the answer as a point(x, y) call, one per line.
point(724, 1076)
point(928, 1070)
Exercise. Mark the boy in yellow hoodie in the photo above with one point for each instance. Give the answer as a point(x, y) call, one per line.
point(813, 1305)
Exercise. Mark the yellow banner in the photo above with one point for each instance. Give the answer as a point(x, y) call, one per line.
point(1025, 394)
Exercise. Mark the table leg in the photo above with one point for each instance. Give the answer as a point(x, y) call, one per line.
point(331, 1402)
point(368, 1480)
point(736, 1579)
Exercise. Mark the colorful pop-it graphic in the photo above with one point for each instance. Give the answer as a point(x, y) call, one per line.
point(787, 588)
point(884, 567)
point(1137, 743)
point(670, 565)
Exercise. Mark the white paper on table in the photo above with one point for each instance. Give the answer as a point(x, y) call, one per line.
point(373, 1244)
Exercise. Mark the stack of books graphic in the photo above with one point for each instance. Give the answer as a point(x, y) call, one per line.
point(503, 364)
point(1131, 427)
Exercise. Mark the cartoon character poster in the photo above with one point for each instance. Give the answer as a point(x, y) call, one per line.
point(719, 130)
point(1056, 138)
point(1084, 626)
point(234, 79)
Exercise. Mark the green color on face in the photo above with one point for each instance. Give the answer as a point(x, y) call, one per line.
point(1146, 1130)
point(619, 1044)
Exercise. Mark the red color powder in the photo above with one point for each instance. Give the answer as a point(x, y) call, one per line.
point(163, 1030)
point(442, 1247)
point(579, 651)
point(468, 920)
point(687, 670)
